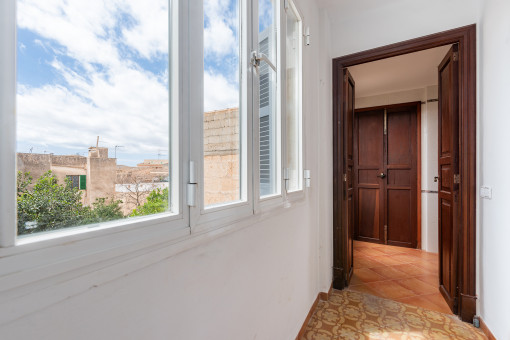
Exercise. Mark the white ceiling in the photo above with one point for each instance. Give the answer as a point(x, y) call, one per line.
point(405, 72)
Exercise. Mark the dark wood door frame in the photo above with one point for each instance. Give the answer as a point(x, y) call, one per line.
point(466, 38)
point(408, 105)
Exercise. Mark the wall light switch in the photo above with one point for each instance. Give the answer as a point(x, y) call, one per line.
point(486, 192)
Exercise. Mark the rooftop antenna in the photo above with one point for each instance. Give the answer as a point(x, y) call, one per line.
point(117, 146)
point(160, 154)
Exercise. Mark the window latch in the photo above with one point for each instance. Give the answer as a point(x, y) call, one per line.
point(191, 188)
point(256, 58)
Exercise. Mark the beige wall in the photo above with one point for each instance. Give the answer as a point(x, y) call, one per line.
point(221, 156)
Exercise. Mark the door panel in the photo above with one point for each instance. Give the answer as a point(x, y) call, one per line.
point(368, 160)
point(449, 209)
point(400, 220)
point(369, 222)
point(401, 165)
point(348, 180)
point(386, 144)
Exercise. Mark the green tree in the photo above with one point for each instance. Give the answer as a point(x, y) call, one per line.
point(157, 202)
point(103, 211)
point(49, 205)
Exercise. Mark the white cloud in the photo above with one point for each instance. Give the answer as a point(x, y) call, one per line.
point(115, 97)
point(220, 94)
point(221, 31)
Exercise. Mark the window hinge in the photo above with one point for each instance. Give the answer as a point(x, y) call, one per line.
point(286, 4)
point(455, 56)
point(286, 178)
point(456, 179)
point(191, 188)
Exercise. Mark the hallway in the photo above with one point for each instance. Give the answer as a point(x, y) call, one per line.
point(402, 274)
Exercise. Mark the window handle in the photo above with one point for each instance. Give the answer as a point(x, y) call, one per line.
point(256, 58)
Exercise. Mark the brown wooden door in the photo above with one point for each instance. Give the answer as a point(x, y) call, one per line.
point(386, 168)
point(348, 163)
point(369, 164)
point(449, 211)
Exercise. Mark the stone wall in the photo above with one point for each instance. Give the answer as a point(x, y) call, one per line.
point(221, 156)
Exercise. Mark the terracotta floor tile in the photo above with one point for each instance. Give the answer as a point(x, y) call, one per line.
point(390, 250)
point(428, 266)
point(388, 260)
point(390, 272)
point(403, 274)
point(431, 279)
point(372, 252)
point(390, 289)
point(366, 262)
point(367, 275)
point(406, 258)
point(417, 286)
point(411, 269)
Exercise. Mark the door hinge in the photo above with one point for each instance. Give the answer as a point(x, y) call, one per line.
point(345, 177)
point(191, 188)
point(456, 179)
point(385, 234)
point(385, 122)
point(286, 4)
point(455, 56)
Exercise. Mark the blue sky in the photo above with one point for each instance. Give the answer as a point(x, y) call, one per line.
point(89, 68)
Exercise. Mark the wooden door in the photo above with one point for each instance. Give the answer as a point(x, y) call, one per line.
point(449, 179)
point(348, 164)
point(369, 186)
point(401, 181)
point(386, 173)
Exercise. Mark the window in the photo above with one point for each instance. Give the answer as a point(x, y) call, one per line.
point(78, 181)
point(123, 118)
point(293, 44)
point(93, 99)
point(269, 109)
point(224, 114)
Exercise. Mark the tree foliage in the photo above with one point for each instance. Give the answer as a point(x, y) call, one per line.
point(50, 205)
point(157, 202)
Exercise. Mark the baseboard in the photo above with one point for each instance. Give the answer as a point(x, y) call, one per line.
point(486, 330)
point(322, 296)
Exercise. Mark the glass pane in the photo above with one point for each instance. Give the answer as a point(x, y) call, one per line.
point(293, 104)
point(92, 112)
point(268, 130)
point(222, 143)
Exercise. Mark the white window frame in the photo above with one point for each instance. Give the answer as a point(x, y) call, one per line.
point(165, 223)
point(300, 193)
point(204, 218)
point(276, 200)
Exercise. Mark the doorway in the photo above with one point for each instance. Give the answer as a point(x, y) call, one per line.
point(386, 167)
point(457, 178)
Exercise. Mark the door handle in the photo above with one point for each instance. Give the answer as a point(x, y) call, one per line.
point(382, 175)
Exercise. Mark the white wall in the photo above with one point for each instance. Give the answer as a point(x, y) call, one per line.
point(258, 282)
point(429, 167)
point(494, 122)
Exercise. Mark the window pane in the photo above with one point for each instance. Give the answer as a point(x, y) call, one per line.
point(293, 105)
point(222, 118)
point(268, 130)
point(92, 112)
